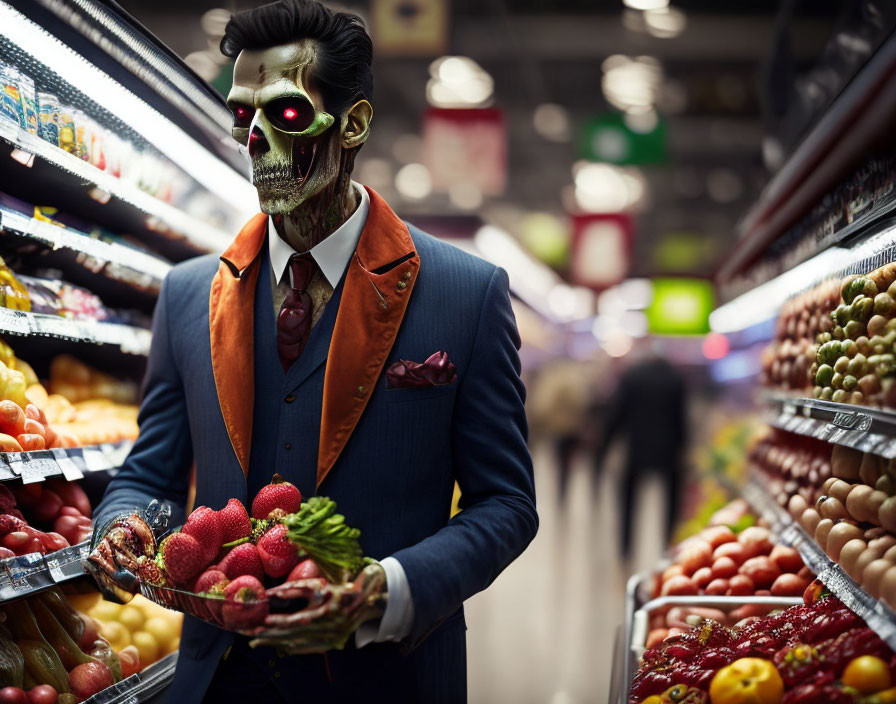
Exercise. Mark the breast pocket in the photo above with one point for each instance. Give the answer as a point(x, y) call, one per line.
point(412, 394)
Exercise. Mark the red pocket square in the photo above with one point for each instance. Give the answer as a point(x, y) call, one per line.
point(438, 370)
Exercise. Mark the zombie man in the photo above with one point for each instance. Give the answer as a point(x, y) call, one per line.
point(356, 356)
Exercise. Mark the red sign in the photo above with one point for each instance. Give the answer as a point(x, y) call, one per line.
point(601, 249)
point(467, 145)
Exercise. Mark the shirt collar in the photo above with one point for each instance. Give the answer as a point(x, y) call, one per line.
point(333, 254)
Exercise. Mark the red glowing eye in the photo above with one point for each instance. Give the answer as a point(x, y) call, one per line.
point(290, 113)
point(241, 113)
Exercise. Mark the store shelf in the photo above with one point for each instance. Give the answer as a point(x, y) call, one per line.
point(866, 429)
point(860, 116)
point(150, 270)
point(132, 340)
point(140, 687)
point(199, 233)
point(28, 574)
point(879, 617)
point(71, 463)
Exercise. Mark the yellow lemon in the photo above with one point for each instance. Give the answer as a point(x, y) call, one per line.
point(131, 618)
point(163, 630)
point(147, 647)
point(117, 635)
point(105, 610)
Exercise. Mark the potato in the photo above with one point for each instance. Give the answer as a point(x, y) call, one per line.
point(845, 462)
point(873, 575)
point(871, 468)
point(756, 541)
point(831, 507)
point(886, 514)
point(675, 570)
point(888, 587)
point(796, 505)
point(702, 577)
point(740, 585)
point(678, 586)
point(890, 554)
point(821, 532)
point(865, 559)
point(841, 534)
point(850, 554)
point(696, 555)
point(857, 502)
point(718, 535)
point(724, 568)
point(786, 558)
point(735, 551)
point(810, 520)
point(839, 490)
point(761, 571)
point(717, 587)
point(828, 483)
point(789, 585)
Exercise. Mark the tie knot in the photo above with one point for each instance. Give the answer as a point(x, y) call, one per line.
point(302, 268)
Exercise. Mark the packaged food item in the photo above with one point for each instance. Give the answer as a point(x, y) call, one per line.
point(97, 146)
point(12, 100)
point(67, 128)
point(29, 102)
point(82, 135)
point(48, 117)
point(43, 298)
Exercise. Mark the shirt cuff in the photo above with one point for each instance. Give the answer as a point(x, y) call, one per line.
point(398, 618)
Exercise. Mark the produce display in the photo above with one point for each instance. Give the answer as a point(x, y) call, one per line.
point(219, 564)
point(815, 652)
point(58, 506)
point(788, 358)
point(791, 464)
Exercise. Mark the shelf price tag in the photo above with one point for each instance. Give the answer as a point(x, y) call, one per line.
point(68, 468)
point(95, 460)
point(31, 467)
point(27, 573)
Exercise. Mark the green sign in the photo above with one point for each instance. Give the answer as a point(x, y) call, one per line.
point(680, 307)
point(615, 139)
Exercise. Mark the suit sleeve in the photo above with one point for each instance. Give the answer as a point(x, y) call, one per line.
point(158, 465)
point(493, 468)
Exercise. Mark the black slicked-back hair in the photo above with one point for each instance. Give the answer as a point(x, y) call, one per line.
point(342, 66)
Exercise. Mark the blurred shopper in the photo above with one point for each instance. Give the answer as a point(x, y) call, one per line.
point(649, 410)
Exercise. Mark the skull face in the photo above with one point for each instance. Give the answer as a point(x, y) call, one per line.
point(278, 114)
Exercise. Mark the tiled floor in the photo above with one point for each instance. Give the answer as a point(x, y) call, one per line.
point(544, 632)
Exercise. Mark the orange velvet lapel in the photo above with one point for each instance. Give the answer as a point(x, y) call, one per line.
point(378, 285)
point(230, 319)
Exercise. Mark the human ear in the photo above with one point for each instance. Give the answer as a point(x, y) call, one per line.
point(356, 124)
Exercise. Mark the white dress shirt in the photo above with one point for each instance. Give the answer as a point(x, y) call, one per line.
point(332, 256)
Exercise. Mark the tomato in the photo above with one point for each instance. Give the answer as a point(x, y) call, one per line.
point(747, 681)
point(867, 674)
point(678, 694)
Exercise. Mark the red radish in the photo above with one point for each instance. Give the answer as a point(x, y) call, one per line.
point(88, 679)
point(72, 495)
point(735, 551)
point(717, 587)
point(43, 694)
point(698, 554)
point(48, 507)
point(306, 569)
point(718, 535)
point(68, 527)
point(786, 558)
point(702, 577)
point(679, 586)
point(13, 695)
point(761, 571)
point(789, 585)
point(15, 540)
point(5, 553)
point(245, 604)
point(740, 585)
point(90, 633)
point(12, 418)
point(278, 494)
point(724, 568)
point(53, 542)
point(278, 554)
point(130, 661)
point(70, 511)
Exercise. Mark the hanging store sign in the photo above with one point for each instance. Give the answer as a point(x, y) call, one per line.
point(409, 27)
point(680, 307)
point(601, 248)
point(620, 139)
point(466, 146)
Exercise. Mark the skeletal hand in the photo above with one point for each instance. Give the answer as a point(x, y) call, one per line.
point(333, 613)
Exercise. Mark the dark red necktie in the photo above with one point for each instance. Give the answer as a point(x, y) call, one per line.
point(294, 320)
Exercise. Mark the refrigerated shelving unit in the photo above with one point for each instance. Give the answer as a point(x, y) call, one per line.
point(181, 191)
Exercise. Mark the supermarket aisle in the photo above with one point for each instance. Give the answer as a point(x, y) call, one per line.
point(544, 632)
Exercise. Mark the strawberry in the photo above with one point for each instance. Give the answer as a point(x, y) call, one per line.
point(242, 560)
point(205, 525)
point(306, 569)
point(245, 603)
point(180, 557)
point(211, 581)
point(234, 521)
point(278, 554)
point(278, 494)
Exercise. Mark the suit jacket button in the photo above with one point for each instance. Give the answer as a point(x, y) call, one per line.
point(401, 286)
point(407, 275)
point(290, 399)
point(362, 389)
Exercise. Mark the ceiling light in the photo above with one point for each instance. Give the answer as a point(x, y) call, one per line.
point(413, 181)
point(465, 195)
point(665, 23)
point(604, 188)
point(646, 4)
point(618, 344)
point(631, 83)
point(458, 82)
point(551, 121)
